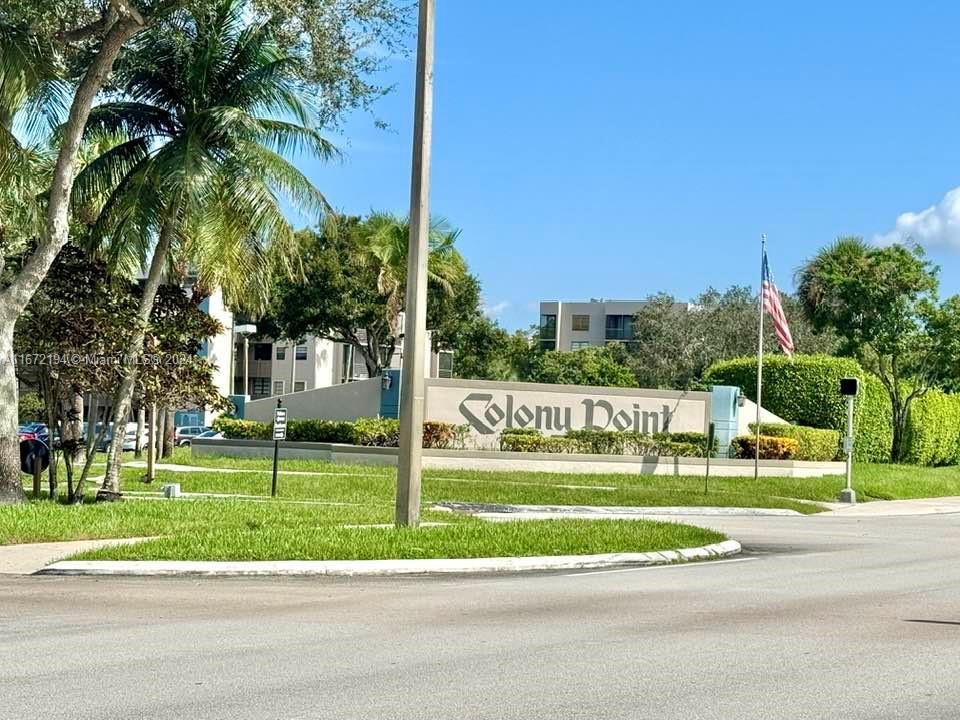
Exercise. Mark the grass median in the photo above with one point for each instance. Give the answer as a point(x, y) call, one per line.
point(466, 538)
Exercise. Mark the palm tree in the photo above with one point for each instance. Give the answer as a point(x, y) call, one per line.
point(387, 242)
point(208, 110)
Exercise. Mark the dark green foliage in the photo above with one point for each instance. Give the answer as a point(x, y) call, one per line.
point(805, 391)
point(596, 366)
point(771, 448)
point(376, 432)
point(673, 343)
point(813, 443)
point(604, 442)
point(933, 430)
point(30, 408)
point(331, 431)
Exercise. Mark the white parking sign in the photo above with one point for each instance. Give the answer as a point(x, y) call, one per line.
point(280, 424)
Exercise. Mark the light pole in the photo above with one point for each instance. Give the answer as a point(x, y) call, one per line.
point(246, 331)
point(411, 374)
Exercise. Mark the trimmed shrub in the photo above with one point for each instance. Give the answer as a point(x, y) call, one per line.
point(599, 442)
point(805, 391)
point(376, 432)
point(234, 429)
point(380, 432)
point(602, 442)
point(813, 443)
point(442, 436)
point(329, 431)
point(933, 430)
point(771, 448)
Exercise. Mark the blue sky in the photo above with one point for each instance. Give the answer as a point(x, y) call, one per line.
point(619, 148)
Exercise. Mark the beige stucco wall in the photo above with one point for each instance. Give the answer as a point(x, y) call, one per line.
point(490, 407)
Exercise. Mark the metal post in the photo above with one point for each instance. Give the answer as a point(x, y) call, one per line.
point(848, 495)
point(276, 461)
point(411, 376)
point(37, 474)
point(711, 434)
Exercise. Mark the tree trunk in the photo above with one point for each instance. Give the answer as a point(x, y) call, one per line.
point(56, 232)
point(141, 421)
point(900, 416)
point(124, 395)
point(169, 432)
point(11, 488)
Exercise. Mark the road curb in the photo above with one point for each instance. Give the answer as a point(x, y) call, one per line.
point(390, 567)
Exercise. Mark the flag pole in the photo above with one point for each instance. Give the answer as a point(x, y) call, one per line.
point(756, 456)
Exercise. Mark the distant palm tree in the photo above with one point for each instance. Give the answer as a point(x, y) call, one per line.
point(387, 243)
point(209, 107)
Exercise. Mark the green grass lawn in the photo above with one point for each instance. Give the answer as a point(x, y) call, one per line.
point(499, 487)
point(309, 518)
point(285, 540)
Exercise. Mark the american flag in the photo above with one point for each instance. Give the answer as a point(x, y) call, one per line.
point(771, 303)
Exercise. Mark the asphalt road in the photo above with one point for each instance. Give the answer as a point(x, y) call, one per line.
point(821, 617)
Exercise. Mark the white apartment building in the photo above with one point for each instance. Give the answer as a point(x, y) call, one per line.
point(569, 326)
point(279, 367)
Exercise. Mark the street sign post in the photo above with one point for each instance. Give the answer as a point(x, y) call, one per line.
point(279, 433)
point(849, 387)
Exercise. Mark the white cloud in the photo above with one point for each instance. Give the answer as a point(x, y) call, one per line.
point(495, 311)
point(937, 226)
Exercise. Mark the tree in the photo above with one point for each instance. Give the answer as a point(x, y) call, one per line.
point(75, 326)
point(354, 285)
point(482, 350)
point(598, 366)
point(86, 36)
point(674, 342)
point(199, 175)
point(882, 303)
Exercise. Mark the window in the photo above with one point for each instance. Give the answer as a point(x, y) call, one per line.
point(445, 364)
point(259, 387)
point(619, 327)
point(581, 322)
point(299, 386)
point(301, 352)
point(548, 332)
point(579, 344)
point(281, 352)
point(262, 351)
point(278, 387)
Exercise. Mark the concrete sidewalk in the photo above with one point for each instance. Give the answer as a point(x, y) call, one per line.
point(877, 508)
point(29, 558)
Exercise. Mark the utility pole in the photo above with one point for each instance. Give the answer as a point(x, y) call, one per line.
point(412, 390)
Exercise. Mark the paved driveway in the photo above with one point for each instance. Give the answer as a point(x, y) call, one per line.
point(822, 617)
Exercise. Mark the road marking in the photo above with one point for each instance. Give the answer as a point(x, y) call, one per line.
point(706, 563)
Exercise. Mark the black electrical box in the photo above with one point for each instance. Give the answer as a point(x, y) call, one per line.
point(849, 386)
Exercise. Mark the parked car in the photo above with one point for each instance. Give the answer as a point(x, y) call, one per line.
point(35, 431)
point(129, 438)
point(183, 435)
point(206, 435)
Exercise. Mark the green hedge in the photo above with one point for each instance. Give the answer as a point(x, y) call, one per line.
point(604, 442)
point(771, 448)
point(377, 432)
point(813, 443)
point(933, 430)
point(805, 391)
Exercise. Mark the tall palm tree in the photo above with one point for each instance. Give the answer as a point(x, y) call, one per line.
point(387, 243)
point(209, 107)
